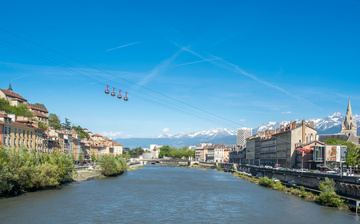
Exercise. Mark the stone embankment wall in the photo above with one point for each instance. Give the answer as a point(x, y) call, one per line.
point(348, 186)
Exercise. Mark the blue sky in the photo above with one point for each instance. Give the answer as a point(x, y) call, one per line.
point(187, 65)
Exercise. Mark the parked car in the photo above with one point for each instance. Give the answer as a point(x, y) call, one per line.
point(292, 183)
point(275, 179)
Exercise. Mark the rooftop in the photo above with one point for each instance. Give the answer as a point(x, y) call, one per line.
point(10, 93)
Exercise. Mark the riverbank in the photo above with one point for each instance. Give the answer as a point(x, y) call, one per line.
point(324, 197)
point(90, 174)
point(330, 199)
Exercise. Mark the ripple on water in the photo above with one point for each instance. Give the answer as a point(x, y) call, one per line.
point(162, 194)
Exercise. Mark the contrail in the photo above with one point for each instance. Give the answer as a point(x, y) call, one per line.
point(124, 46)
point(195, 62)
point(161, 67)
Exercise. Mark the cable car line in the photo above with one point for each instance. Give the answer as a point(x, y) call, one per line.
point(88, 77)
point(143, 87)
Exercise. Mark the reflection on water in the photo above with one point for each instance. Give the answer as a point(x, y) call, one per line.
point(164, 194)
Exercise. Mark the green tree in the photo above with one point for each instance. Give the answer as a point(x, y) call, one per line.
point(93, 157)
point(328, 196)
point(54, 121)
point(80, 158)
point(80, 131)
point(67, 124)
point(136, 152)
point(110, 165)
point(164, 151)
point(42, 125)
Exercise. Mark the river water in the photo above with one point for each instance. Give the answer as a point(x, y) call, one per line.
point(165, 194)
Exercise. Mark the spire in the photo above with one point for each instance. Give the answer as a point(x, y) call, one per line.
point(348, 111)
point(10, 87)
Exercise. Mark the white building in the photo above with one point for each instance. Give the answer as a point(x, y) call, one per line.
point(243, 134)
point(219, 155)
point(118, 149)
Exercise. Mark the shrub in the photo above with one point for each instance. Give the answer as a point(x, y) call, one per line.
point(266, 182)
point(328, 196)
point(109, 165)
point(278, 186)
point(23, 170)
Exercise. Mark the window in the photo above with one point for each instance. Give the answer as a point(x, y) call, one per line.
point(23, 133)
point(9, 130)
point(19, 132)
point(27, 134)
point(14, 141)
point(5, 130)
point(15, 132)
point(31, 134)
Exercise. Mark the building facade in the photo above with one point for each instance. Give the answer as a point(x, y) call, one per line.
point(243, 134)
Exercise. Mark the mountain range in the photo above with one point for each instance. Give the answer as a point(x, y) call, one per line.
point(328, 125)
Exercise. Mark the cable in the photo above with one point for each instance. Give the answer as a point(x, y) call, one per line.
point(148, 89)
point(88, 77)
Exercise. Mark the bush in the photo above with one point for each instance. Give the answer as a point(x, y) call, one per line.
point(330, 199)
point(328, 196)
point(266, 182)
point(110, 165)
point(278, 186)
point(23, 170)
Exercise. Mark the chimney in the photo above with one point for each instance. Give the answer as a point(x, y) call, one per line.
point(293, 125)
point(282, 127)
point(278, 130)
point(311, 124)
point(303, 131)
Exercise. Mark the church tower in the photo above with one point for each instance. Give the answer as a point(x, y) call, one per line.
point(349, 125)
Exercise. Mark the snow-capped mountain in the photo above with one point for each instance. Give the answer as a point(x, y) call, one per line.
point(215, 136)
point(327, 125)
point(209, 134)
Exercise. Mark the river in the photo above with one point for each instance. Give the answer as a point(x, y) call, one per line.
point(166, 194)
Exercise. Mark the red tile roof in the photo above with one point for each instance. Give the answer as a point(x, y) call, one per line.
point(38, 114)
point(117, 144)
point(35, 107)
point(97, 135)
point(12, 94)
point(3, 115)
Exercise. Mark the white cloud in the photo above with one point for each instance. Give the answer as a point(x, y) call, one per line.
point(113, 134)
point(242, 120)
point(166, 130)
point(286, 112)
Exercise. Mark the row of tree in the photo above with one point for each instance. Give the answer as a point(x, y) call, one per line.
point(25, 171)
point(167, 151)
